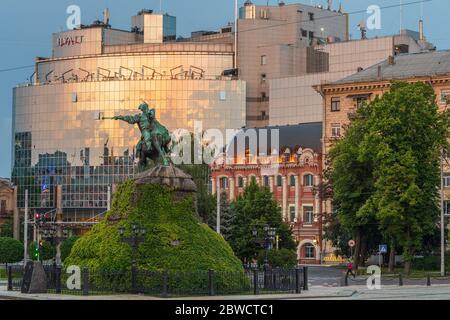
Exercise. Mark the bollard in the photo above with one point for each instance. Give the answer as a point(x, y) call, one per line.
point(85, 281)
point(305, 278)
point(400, 279)
point(428, 280)
point(255, 282)
point(346, 280)
point(211, 282)
point(298, 288)
point(165, 284)
point(10, 287)
point(58, 279)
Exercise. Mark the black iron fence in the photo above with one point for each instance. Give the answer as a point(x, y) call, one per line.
point(168, 283)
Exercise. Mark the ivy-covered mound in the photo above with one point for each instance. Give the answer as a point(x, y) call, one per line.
point(175, 241)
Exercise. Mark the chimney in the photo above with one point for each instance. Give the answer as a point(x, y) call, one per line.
point(379, 72)
point(421, 30)
point(106, 16)
point(391, 60)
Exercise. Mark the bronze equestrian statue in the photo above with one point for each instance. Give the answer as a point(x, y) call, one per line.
point(155, 138)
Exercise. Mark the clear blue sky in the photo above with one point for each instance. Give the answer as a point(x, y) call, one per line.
point(27, 26)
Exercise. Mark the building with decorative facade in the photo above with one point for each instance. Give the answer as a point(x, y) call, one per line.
point(292, 174)
point(342, 98)
point(96, 72)
point(7, 202)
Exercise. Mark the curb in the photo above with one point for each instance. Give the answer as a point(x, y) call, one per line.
point(19, 296)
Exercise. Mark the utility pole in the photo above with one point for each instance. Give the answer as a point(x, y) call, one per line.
point(218, 206)
point(442, 217)
point(108, 204)
point(401, 16)
point(25, 230)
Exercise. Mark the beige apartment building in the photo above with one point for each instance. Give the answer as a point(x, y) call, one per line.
point(276, 42)
point(343, 97)
point(293, 100)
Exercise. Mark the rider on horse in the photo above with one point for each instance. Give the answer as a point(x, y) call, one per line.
point(155, 138)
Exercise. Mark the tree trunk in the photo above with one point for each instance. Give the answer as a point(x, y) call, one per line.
point(392, 258)
point(357, 250)
point(408, 265)
point(362, 251)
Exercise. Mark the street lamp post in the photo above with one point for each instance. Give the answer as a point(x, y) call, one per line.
point(266, 240)
point(137, 237)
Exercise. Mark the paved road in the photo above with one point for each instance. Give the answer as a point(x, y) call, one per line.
point(397, 293)
point(325, 276)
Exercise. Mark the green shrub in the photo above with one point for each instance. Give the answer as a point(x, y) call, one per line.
point(430, 263)
point(11, 250)
point(6, 229)
point(175, 241)
point(66, 246)
point(283, 258)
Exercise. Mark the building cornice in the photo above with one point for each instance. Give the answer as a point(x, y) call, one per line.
point(372, 85)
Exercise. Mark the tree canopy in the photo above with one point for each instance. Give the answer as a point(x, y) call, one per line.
point(257, 207)
point(11, 250)
point(386, 170)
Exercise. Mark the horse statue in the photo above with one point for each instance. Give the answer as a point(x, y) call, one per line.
point(155, 138)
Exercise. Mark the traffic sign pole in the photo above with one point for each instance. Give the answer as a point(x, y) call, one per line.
point(351, 244)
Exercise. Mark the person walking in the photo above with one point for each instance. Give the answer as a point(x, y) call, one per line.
point(350, 269)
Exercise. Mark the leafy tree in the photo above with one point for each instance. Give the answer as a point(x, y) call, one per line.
point(227, 216)
point(206, 206)
point(406, 134)
point(352, 178)
point(11, 250)
point(385, 172)
point(66, 246)
point(46, 254)
point(283, 258)
point(6, 229)
point(255, 207)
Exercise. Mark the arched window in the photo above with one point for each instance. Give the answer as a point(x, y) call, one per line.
point(266, 181)
point(309, 180)
point(292, 181)
point(279, 181)
point(253, 179)
point(309, 251)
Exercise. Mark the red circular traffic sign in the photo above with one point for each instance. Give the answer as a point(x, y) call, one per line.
point(351, 243)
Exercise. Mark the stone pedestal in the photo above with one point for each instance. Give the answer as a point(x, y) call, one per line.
point(34, 279)
point(171, 177)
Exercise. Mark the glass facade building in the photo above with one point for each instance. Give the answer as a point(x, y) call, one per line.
point(58, 131)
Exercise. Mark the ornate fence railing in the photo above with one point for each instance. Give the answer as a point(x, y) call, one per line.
point(167, 283)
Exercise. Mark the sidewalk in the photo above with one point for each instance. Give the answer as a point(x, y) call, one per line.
point(313, 293)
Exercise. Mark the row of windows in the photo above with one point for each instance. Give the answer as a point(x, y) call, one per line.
point(361, 100)
point(308, 214)
point(336, 103)
point(308, 181)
